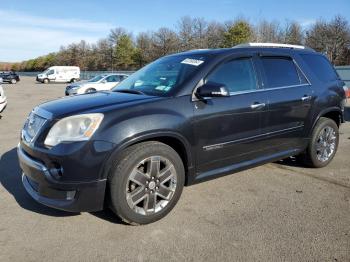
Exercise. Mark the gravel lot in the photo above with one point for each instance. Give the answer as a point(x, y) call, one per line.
point(275, 212)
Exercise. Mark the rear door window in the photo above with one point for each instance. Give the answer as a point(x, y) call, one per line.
point(280, 72)
point(321, 67)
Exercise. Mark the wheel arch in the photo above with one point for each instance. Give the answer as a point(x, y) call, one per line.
point(333, 113)
point(172, 139)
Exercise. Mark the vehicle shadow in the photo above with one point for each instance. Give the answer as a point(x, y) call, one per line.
point(109, 216)
point(10, 179)
point(291, 161)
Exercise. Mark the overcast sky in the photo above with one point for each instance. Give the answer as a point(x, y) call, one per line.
point(33, 28)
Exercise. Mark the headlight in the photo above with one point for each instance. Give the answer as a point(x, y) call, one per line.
point(74, 128)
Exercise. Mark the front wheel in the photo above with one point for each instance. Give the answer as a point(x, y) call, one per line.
point(13, 81)
point(323, 144)
point(46, 81)
point(146, 182)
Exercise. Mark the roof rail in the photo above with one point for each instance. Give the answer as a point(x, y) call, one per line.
point(273, 45)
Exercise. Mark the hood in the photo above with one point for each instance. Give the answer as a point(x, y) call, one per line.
point(71, 105)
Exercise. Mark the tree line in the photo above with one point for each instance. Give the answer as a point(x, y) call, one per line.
point(121, 50)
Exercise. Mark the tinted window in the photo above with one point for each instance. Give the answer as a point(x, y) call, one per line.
point(237, 75)
point(321, 67)
point(112, 78)
point(280, 71)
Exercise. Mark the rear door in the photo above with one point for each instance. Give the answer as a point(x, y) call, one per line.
point(289, 102)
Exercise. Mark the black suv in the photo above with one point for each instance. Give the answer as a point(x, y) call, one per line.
point(9, 77)
point(182, 119)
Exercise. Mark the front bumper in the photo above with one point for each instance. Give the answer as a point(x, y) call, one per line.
point(71, 92)
point(40, 182)
point(41, 80)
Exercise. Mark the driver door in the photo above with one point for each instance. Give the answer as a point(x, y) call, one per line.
point(227, 129)
point(51, 75)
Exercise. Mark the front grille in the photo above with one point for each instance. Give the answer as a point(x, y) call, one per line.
point(32, 127)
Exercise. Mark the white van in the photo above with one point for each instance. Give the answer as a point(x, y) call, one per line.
point(59, 74)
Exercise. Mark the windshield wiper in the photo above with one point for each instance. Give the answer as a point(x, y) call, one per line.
point(129, 91)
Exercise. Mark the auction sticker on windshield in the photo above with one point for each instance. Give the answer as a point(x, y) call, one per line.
point(194, 62)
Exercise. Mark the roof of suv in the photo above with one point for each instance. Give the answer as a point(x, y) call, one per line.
point(249, 47)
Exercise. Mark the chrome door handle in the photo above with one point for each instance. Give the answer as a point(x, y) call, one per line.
point(257, 105)
point(306, 98)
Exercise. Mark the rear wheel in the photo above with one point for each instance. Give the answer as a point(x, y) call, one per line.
point(323, 144)
point(146, 182)
point(90, 90)
point(13, 81)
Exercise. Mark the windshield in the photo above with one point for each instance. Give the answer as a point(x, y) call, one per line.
point(162, 76)
point(96, 78)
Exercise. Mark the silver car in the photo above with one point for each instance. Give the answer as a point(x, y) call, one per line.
point(97, 83)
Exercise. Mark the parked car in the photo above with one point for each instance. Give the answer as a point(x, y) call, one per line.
point(3, 100)
point(10, 77)
point(97, 83)
point(183, 119)
point(59, 74)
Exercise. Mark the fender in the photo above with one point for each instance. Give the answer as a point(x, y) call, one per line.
point(144, 137)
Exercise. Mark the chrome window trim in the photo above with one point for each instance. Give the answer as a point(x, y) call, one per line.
point(266, 89)
point(257, 90)
point(307, 79)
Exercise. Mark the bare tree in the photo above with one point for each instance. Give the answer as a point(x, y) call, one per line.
point(215, 35)
point(164, 41)
point(192, 33)
point(333, 39)
point(293, 33)
point(268, 32)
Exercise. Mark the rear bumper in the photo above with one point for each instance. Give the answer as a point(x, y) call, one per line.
point(46, 189)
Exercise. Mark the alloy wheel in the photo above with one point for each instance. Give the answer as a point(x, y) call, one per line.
point(326, 143)
point(151, 185)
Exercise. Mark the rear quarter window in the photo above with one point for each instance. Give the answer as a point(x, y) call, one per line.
point(321, 67)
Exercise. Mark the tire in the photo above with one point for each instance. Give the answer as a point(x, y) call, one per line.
point(46, 81)
point(127, 169)
point(320, 142)
point(13, 81)
point(73, 80)
point(90, 90)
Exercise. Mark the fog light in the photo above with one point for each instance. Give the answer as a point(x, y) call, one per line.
point(70, 195)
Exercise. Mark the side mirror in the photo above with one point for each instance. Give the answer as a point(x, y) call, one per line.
point(212, 89)
point(104, 81)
